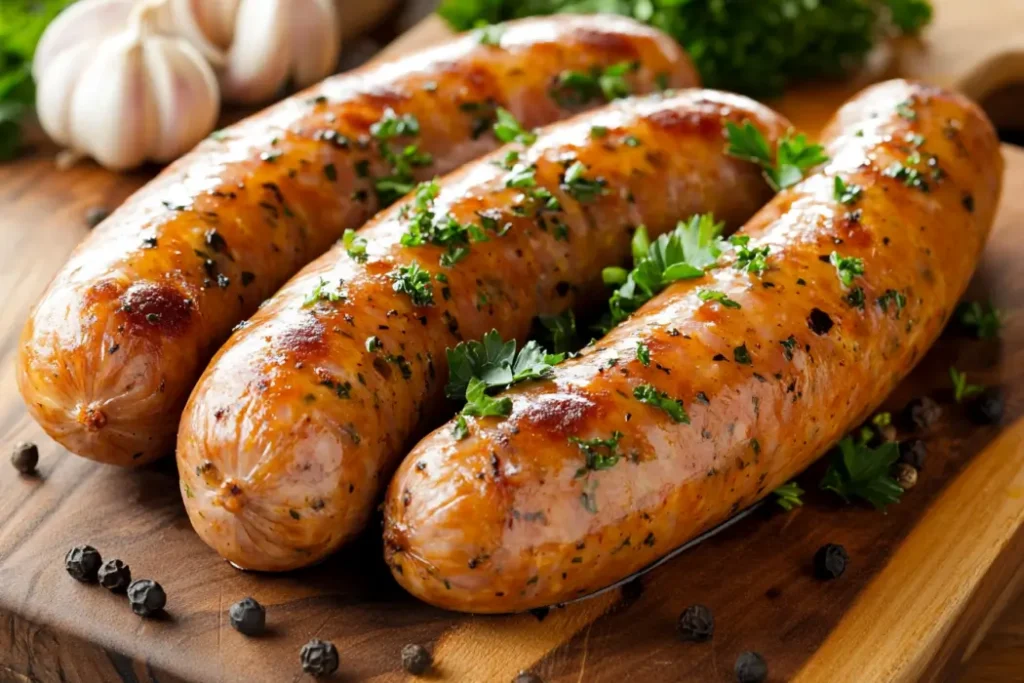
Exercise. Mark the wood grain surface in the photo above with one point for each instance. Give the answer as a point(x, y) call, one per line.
point(922, 582)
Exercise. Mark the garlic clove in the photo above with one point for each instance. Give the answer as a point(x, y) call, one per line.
point(185, 96)
point(257, 63)
point(85, 21)
point(61, 76)
point(112, 114)
point(188, 19)
point(216, 18)
point(315, 41)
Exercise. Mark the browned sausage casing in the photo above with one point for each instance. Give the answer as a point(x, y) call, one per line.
point(505, 520)
point(119, 339)
point(300, 419)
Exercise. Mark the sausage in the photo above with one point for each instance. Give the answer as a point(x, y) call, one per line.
point(118, 340)
point(294, 429)
point(511, 518)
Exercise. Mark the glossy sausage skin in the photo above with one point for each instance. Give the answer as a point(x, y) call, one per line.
point(119, 339)
point(278, 469)
point(504, 520)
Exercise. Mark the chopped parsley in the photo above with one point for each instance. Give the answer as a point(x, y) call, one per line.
point(983, 318)
point(847, 267)
point(643, 354)
point(581, 188)
point(427, 228)
point(892, 298)
point(645, 393)
point(750, 260)
point(560, 331)
point(859, 471)
point(906, 110)
point(415, 282)
point(355, 246)
point(683, 254)
point(507, 128)
point(855, 298)
point(742, 355)
point(909, 176)
point(846, 194)
point(322, 292)
point(788, 346)
point(961, 389)
point(576, 88)
point(460, 430)
point(598, 454)
point(598, 132)
point(793, 155)
point(788, 496)
point(400, 181)
point(720, 297)
point(491, 35)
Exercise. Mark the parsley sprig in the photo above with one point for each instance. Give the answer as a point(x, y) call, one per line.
point(859, 471)
point(414, 281)
point(984, 318)
point(444, 231)
point(794, 155)
point(355, 246)
point(788, 496)
point(961, 388)
point(847, 267)
point(646, 393)
point(508, 129)
point(490, 365)
point(683, 254)
point(576, 88)
point(750, 260)
point(401, 159)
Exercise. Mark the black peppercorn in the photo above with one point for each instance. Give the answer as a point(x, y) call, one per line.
point(25, 457)
point(751, 668)
point(696, 623)
point(248, 616)
point(96, 215)
point(527, 677)
point(115, 575)
point(913, 453)
point(416, 659)
point(986, 408)
point(920, 414)
point(830, 561)
point(83, 562)
point(319, 658)
point(147, 597)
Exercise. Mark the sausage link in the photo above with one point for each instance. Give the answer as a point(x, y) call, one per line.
point(123, 332)
point(299, 421)
point(511, 517)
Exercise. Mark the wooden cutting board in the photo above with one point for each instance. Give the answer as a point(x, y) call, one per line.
point(924, 580)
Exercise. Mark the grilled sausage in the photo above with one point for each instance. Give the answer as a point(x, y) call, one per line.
point(119, 339)
point(512, 517)
point(298, 422)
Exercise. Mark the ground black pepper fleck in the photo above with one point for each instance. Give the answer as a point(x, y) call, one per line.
point(248, 617)
point(830, 561)
point(416, 659)
point(986, 408)
point(25, 457)
point(751, 668)
point(115, 576)
point(319, 658)
point(696, 624)
point(913, 452)
point(146, 596)
point(83, 562)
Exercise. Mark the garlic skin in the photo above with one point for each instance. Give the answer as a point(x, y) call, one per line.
point(122, 97)
point(264, 44)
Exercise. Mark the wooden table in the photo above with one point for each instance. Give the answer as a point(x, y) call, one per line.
point(755, 575)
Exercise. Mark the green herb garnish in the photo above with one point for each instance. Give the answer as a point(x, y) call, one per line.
point(961, 389)
point(847, 267)
point(560, 331)
point(793, 155)
point(859, 471)
point(576, 88)
point(846, 194)
point(322, 292)
point(355, 246)
point(643, 354)
point(583, 189)
point(750, 260)
point(507, 128)
point(415, 282)
point(720, 297)
point(984, 318)
point(788, 496)
point(490, 35)
point(645, 393)
point(598, 454)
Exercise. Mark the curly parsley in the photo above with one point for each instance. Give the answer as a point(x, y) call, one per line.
point(415, 282)
point(750, 260)
point(859, 471)
point(793, 155)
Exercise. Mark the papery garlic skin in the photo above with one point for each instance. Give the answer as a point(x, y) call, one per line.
point(127, 98)
point(266, 44)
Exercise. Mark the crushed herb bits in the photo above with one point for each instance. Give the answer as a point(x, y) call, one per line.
point(741, 355)
point(830, 561)
point(415, 282)
point(319, 658)
point(416, 659)
point(83, 563)
point(248, 617)
point(25, 457)
point(696, 624)
point(115, 576)
point(146, 597)
point(751, 668)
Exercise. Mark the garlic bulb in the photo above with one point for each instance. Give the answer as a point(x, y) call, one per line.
point(265, 44)
point(113, 88)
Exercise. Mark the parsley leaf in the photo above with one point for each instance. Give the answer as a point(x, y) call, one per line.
point(495, 363)
point(793, 155)
point(460, 430)
point(426, 228)
point(683, 254)
point(399, 182)
point(788, 496)
point(846, 194)
point(560, 331)
point(598, 454)
point(415, 282)
point(479, 404)
point(720, 297)
point(891, 296)
point(750, 260)
point(576, 88)
point(859, 471)
point(645, 393)
point(961, 389)
point(983, 317)
point(583, 189)
point(322, 292)
point(643, 354)
point(507, 128)
point(490, 35)
point(355, 246)
point(847, 267)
